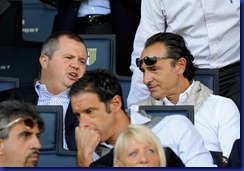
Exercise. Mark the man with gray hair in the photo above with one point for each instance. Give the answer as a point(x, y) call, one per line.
point(20, 127)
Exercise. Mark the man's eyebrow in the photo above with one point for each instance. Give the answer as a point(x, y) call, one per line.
point(25, 132)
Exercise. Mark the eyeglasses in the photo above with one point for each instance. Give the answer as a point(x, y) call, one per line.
point(149, 60)
point(29, 123)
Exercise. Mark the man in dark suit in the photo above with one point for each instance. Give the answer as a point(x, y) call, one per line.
point(235, 155)
point(63, 61)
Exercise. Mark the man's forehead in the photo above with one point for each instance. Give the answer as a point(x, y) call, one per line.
point(154, 50)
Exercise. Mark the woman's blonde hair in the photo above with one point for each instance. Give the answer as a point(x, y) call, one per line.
point(139, 133)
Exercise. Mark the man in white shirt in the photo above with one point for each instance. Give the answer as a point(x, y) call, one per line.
point(168, 72)
point(211, 30)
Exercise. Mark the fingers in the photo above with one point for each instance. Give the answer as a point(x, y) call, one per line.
point(86, 137)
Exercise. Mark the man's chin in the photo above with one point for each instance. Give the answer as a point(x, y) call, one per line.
point(32, 161)
point(155, 96)
point(32, 164)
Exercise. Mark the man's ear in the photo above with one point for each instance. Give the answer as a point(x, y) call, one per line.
point(116, 103)
point(181, 65)
point(1, 146)
point(44, 61)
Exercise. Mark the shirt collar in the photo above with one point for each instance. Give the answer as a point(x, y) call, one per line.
point(41, 88)
point(182, 98)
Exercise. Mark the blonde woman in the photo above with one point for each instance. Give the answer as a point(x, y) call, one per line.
point(137, 146)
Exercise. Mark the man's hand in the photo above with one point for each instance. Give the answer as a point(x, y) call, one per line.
point(87, 140)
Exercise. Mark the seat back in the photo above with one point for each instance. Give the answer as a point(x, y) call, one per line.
point(8, 83)
point(101, 50)
point(209, 77)
point(185, 110)
point(37, 20)
point(49, 155)
point(20, 60)
point(125, 83)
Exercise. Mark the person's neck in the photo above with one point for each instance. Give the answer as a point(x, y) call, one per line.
point(122, 121)
point(181, 88)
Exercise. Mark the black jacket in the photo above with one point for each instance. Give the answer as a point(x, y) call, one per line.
point(172, 160)
point(235, 155)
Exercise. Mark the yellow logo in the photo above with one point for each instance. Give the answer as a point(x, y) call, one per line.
point(92, 55)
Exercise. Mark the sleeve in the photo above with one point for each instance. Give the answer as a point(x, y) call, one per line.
point(183, 138)
point(152, 21)
point(229, 125)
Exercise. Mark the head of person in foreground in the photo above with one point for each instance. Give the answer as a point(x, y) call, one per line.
point(20, 127)
point(137, 146)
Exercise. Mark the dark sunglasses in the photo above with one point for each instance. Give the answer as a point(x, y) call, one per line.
point(148, 60)
point(29, 123)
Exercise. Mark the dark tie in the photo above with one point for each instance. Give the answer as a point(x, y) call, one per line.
point(102, 150)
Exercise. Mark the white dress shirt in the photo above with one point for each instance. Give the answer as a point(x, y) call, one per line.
point(211, 30)
point(217, 120)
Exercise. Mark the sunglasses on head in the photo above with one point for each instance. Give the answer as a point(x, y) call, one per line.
point(28, 122)
point(148, 60)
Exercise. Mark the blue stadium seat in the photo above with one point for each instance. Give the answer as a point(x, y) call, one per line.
point(185, 110)
point(8, 83)
point(209, 77)
point(37, 20)
point(125, 82)
point(49, 155)
point(20, 60)
point(101, 51)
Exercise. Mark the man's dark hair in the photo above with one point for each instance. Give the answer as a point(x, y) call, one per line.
point(177, 48)
point(100, 81)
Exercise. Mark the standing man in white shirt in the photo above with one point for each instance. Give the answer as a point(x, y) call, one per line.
point(211, 30)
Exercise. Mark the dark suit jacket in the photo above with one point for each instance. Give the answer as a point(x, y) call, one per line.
point(28, 94)
point(235, 155)
point(172, 160)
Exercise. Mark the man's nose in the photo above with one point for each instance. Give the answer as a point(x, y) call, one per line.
point(147, 77)
point(35, 143)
